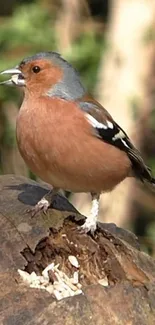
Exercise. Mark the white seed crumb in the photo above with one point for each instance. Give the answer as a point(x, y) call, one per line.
point(57, 294)
point(103, 282)
point(25, 276)
point(78, 292)
point(43, 280)
point(65, 294)
point(76, 277)
point(56, 267)
point(69, 283)
point(61, 288)
point(48, 268)
point(79, 285)
point(58, 286)
point(50, 288)
point(33, 276)
point(73, 260)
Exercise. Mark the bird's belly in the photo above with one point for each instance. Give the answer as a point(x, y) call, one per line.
point(76, 179)
point(69, 159)
point(72, 169)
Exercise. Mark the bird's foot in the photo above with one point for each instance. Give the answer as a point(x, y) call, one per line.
point(41, 205)
point(44, 203)
point(89, 225)
point(91, 221)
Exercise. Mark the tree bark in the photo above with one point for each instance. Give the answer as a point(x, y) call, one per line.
point(113, 272)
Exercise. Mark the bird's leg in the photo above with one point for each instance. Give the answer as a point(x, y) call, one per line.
point(44, 203)
point(91, 221)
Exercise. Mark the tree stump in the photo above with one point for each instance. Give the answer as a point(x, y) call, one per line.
point(116, 278)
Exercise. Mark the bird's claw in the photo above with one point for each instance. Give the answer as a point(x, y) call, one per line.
point(88, 226)
point(42, 205)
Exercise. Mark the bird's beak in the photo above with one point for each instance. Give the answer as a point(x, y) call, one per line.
point(16, 79)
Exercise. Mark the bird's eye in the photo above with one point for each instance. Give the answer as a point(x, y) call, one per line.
point(36, 69)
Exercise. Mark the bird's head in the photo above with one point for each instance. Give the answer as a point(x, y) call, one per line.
point(46, 73)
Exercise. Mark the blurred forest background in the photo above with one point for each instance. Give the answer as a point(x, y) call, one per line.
point(112, 44)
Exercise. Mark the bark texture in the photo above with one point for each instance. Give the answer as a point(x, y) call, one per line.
point(30, 244)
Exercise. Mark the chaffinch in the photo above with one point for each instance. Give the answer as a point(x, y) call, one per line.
point(66, 137)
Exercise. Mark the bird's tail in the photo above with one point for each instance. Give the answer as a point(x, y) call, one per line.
point(150, 184)
point(141, 171)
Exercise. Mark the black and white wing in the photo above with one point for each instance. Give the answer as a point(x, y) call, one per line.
point(109, 131)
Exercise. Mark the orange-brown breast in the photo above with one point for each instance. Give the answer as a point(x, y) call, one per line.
point(58, 145)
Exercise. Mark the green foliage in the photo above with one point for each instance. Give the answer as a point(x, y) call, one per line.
point(28, 31)
point(150, 231)
point(152, 119)
point(149, 35)
point(151, 164)
point(31, 29)
point(85, 56)
point(134, 102)
point(32, 176)
point(8, 138)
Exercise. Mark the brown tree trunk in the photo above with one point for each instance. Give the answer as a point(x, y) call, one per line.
point(69, 22)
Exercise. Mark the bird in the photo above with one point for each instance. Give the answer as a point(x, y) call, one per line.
point(66, 137)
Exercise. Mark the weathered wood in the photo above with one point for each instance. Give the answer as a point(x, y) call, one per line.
point(32, 243)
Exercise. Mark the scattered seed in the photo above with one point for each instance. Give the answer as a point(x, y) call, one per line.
point(76, 277)
point(103, 282)
point(73, 260)
point(62, 286)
